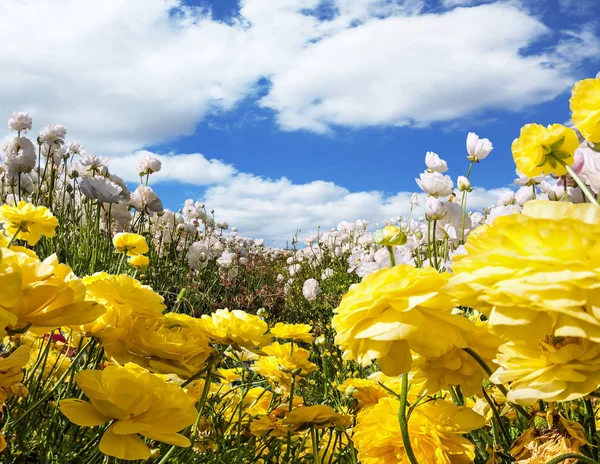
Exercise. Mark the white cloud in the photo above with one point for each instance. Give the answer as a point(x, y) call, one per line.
point(127, 74)
point(276, 209)
point(191, 168)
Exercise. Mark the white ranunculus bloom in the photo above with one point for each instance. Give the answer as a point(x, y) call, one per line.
point(144, 199)
point(20, 121)
point(198, 255)
point(311, 289)
point(498, 211)
point(435, 184)
point(524, 180)
point(101, 189)
point(477, 148)
point(524, 194)
point(148, 164)
point(434, 209)
point(226, 259)
point(19, 155)
point(326, 274)
point(125, 193)
point(590, 172)
point(414, 200)
point(507, 198)
point(53, 134)
point(435, 163)
point(90, 164)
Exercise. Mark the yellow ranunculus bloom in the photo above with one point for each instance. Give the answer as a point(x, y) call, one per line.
point(396, 310)
point(11, 373)
point(41, 295)
point(553, 369)
point(31, 221)
point(280, 364)
point(319, 416)
point(140, 262)
point(536, 149)
point(237, 328)
point(435, 429)
point(138, 402)
point(132, 244)
point(125, 299)
point(297, 332)
point(535, 273)
point(169, 344)
point(585, 106)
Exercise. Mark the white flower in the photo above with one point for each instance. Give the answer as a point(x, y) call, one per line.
point(477, 148)
point(19, 155)
point(434, 209)
point(326, 274)
point(435, 184)
point(92, 164)
point(590, 172)
point(497, 211)
point(311, 289)
point(435, 163)
point(101, 189)
point(125, 193)
point(148, 164)
point(53, 134)
point(197, 256)
point(20, 121)
point(463, 184)
point(454, 217)
point(556, 193)
point(477, 219)
point(507, 198)
point(523, 195)
point(293, 269)
point(222, 225)
point(414, 200)
point(144, 199)
point(258, 242)
point(524, 180)
point(226, 259)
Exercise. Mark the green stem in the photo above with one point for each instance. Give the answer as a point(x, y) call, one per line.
point(390, 250)
point(584, 188)
point(497, 417)
point(501, 387)
point(435, 253)
point(564, 457)
point(592, 427)
point(315, 445)
point(404, 423)
point(15, 236)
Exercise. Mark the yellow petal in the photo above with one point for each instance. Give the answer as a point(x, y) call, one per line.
point(169, 438)
point(128, 447)
point(82, 413)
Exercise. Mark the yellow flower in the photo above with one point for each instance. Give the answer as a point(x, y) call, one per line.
point(138, 262)
point(367, 392)
point(280, 364)
point(318, 416)
point(11, 373)
point(456, 367)
point(554, 369)
point(32, 222)
point(55, 364)
point(536, 150)
point(435, 429)
point(393, 311)
point(125, 299)
point(236, 328)
point(297, 332)
point(535, 273)
point(132, 244)
point(169, 344)
point(137, 402)
point(585, 106)
point(41, 295)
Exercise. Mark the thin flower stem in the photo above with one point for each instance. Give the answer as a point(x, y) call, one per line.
point(501, 387)
point(390, 250)
point(315, 445)
point(497, 417)
point(435, 252)
point(564, 457)
point(15, 236)
point(584, 188)
point(404, 423)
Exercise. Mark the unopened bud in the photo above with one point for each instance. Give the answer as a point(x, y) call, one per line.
point(464, 185)
point(390, 236)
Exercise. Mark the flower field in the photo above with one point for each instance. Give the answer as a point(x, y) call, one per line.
point(136, 333)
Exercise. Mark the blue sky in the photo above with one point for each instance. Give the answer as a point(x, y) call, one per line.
point(297, 113)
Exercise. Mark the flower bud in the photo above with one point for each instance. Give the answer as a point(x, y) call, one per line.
point(464, 185)
point(390, 236)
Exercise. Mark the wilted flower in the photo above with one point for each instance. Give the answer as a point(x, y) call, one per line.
point(477, 148)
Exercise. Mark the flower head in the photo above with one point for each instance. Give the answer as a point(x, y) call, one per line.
point(319, 416)
point(585, 106)
point(140, 262)
point(20, 121)
point(132, 244)
point(296, 332)
point(477, 148)
point(29, 221)
point(236, 328)
point(101, 189)
point(137, 402)
point(148, 164)
point(544, 150)
point(435, 163)
point(435, 184)
point(396, 310)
